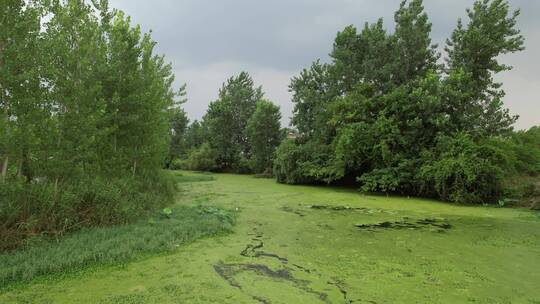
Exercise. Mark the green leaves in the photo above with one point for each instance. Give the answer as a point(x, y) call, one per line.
point(264, 135)
point(82, 97)
point(227, 120)
point(166, 212)
point(384, 103)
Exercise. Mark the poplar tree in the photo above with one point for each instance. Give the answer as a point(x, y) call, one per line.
point(22, 107)
point(264, 135)
point(473, 60)
point(227, 119)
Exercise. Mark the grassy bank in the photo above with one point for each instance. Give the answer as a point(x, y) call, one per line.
point(163, 232)
point(44, 209)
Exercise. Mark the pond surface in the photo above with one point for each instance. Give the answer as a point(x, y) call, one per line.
point(300, 244)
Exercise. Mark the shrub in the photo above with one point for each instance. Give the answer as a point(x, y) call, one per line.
point(286, 163)
point(203, 158)
point(178, 164)
point(463, 171)
point(243, 166)
point(42, 208)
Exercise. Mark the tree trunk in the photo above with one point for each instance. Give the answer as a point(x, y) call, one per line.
point(5, 164)
point(24, 166)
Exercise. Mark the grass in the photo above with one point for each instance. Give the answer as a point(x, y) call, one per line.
point(113, 245)
point(302, 244)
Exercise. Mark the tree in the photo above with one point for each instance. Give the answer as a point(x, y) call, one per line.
point(196, 135)
point(178, 128)
point(227, 119)
point(264, 135)
point(83, 99)
point(472, 61)
point(414, 54)
point(384, 103)
point(23, 107)
point(74, 62)
point(311, 92)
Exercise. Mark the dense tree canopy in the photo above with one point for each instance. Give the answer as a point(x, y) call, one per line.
point(83, 97)
point(386, 114)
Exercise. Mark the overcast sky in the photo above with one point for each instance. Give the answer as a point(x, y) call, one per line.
point(208, 41)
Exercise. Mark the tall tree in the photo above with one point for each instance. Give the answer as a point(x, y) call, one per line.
point(179, 127)
point(22, 105)
point(414, 53)
point(264, 135)
point(473, 52)
point(227, 119)
point(196, 135)
point(76, 57)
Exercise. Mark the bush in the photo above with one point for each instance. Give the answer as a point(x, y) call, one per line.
point(203, 158)
point(243, 166)
point(286, 163)
point(178, 164)
point(463, 171)
point(305, 163)
point(42, 208)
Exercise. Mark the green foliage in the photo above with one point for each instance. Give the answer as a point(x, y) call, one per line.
point(227, 119)
point(203, 158)
point(241, 130)
point(205, 177)
point(85, 118)
point(40, 209)
point(463, 171)
point(113, 245)
point(473, 52)
point(178, 164)
point(166, 212)
point(179, 126)
point(382, 110)
point(286, 167)
point(196, 134)
point(299, 164)
point(264, 135)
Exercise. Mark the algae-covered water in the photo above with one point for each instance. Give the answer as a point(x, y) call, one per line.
point(299, 244)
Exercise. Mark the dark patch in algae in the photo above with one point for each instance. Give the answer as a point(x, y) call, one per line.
point(252, 252)
point(291, 210)
point(335, 208)
point(229, 271)
point(341, 286)
point(408, 224)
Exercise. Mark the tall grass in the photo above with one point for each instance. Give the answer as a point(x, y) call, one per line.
point(44, 208)
point(112, 245)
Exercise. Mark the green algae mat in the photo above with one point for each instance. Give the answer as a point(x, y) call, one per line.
point(300, 244)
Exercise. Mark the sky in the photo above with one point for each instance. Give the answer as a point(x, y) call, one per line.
point(208, 41)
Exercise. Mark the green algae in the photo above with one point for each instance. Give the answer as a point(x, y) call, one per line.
point(300, 244)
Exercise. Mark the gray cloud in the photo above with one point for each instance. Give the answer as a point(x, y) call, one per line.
point(208, 41)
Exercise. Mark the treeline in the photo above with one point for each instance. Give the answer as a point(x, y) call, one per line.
point(239, 133)
point(85, 108)
point(387, 114)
